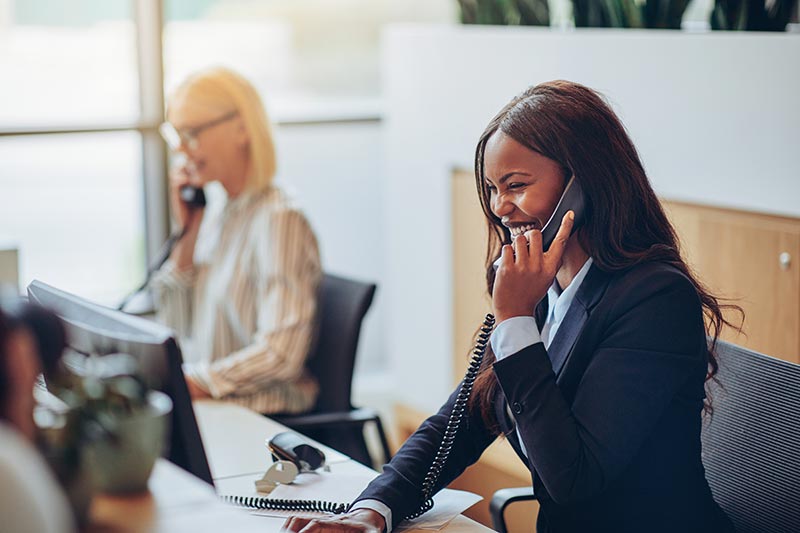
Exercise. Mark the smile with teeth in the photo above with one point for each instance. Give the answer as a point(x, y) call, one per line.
point(519, 230)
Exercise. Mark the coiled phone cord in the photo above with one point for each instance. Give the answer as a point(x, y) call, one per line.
point(160, 258)
point(439, 461)
point(456, 416)
point(316, 506)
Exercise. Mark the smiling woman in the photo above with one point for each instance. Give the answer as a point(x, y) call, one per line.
point(241, 283)
point(598, 362)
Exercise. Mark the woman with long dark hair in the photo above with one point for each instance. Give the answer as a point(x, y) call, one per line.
point(597, 365)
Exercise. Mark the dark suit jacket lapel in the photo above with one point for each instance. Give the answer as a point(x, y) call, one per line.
point(589, 293)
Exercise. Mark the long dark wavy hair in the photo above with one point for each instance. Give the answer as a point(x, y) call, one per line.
point(4, 384)
point(625, 224)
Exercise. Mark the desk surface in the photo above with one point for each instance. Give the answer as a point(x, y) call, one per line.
point(234, 440)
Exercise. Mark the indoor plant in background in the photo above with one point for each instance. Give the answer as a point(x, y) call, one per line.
point(751, 15)
point(110, 430)
point(654, 14)
point(505, 12)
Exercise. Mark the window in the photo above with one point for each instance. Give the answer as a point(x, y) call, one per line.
point(71, 187)
point(76, 213)
point(302, 55)
point(82, 170)
point(71, 62)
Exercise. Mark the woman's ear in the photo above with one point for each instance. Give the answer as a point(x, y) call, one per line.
point(242, 137)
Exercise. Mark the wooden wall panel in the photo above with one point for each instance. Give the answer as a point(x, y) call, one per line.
point(751, 259)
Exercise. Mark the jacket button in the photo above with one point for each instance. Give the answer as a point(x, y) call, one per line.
point(516, 407)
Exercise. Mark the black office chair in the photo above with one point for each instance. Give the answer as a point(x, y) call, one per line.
point(751, 444)
point(333, 420)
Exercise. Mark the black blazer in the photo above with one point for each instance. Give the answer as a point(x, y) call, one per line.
point(610, 417)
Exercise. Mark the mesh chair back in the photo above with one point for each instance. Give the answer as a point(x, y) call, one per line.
point(751, 443)
point(341, 309)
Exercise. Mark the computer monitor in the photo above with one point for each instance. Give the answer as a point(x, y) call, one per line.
point(94, 329)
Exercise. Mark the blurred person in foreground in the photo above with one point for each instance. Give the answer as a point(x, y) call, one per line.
point(31, 340)
point(240, 286)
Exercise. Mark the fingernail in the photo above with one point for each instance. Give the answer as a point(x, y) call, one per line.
point(571, 215)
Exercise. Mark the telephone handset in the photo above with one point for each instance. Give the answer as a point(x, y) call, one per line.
point(435, 470)
point(288, 446)
point(192, 196)
point(195, 198)
point(571, 199)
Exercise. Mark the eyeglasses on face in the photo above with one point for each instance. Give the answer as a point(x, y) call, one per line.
point(174, 137)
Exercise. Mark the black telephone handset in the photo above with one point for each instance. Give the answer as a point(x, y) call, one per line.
point(288, 446)
point(192, 196)
point(571, 199)
point(195, 198)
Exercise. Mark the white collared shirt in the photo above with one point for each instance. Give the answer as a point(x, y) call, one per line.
point(519, 332)
point(246, 309)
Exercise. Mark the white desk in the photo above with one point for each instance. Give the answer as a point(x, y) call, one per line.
point(235, 437)
point(234, 440)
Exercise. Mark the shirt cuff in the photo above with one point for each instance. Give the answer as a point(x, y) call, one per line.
point(199, 373)
point(377, 506)
point(514, 334)
point(170, 276)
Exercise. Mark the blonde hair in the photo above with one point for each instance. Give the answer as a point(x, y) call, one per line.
point(224, 90)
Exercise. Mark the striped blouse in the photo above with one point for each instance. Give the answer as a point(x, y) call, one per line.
point(246, 310)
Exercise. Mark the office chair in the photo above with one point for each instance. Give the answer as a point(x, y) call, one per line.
point(333, 420)
point(751, 444)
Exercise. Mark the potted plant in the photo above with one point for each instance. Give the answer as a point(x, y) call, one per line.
point(505, 12)
point(110, 430)
point(653, 14)
point(751, 16)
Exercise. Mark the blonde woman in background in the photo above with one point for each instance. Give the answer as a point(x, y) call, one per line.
point(240, 285)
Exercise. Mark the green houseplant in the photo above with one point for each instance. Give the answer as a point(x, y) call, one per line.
point(751, 15)
point(505, 12)
point(110, 429)
point(653, 14)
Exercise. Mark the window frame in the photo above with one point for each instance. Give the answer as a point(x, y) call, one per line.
point(148, 21)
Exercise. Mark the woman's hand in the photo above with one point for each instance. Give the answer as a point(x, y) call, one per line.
point(188, 217)
point(195, 391)
point(185, 215)
point(525, 272)
point(360, 520)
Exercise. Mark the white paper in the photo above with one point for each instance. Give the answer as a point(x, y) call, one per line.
point(447, 504)
point(325, 486)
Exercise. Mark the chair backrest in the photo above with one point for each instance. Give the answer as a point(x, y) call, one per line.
point(341, 309)
point(751, 443)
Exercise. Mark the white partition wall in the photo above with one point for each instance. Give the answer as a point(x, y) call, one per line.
point(716, 118)
point(9, 266)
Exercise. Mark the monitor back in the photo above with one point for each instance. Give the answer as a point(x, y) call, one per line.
point(93, 329)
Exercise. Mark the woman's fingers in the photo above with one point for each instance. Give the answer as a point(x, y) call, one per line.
point(506, 256)
point(351, 522)
point(521, 253)
point(556, 251)
point(295, 523)
point(534, 238)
